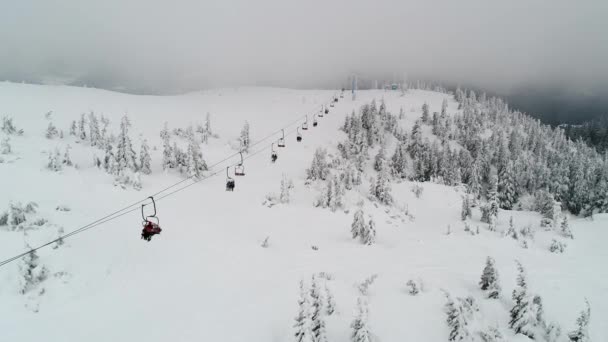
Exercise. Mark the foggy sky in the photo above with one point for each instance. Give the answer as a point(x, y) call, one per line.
point(169, 46)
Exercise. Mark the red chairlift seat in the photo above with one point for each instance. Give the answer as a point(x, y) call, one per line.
point(150, 228)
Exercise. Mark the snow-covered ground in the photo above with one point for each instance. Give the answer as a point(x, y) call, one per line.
point(206, 277)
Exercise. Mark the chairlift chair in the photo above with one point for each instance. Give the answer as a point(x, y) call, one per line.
point(281, 142)
point(331, 104)
point(326, 110)
point(273, 154)
point(150, 227)
point(314, 121)
point(320, 114)
point(229, 181)
point(239, 170)
point(305, 124)
point(298, 135)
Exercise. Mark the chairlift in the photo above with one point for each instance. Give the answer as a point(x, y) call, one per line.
point(273, 154)
point(320, 114)
point(239, 170)
point(229, 181)
point(150, 223)
point(331, 104)
point(305, 124)
point(326, 109)
point(281, 142)
point(299, 135)
point(314, 121)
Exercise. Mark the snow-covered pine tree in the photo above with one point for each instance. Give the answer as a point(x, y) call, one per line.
point(465, 211)
point(456, 320)
point(506, 188)
point(401, 113)
point(144, 158)
point(125, 155)
point(195, 163)
point(317, 318)
point(359, 325)
point(526, 314)
point(490, 281)
point(303, 322)
point(369, 236)
point(565, 228)
point(66, 157)
point(286, 186)
point(5, 145)
point(358, 227)
point(553, 332)
point(51, 131)
point(244, 140)
point(492, 334)
point(335, 197)
point(32, 271)
point(330, 304)
point(73, 128)
point(54, 162)
point(380, 159)
point(104, 139)
point(381, 189)
point(581, 333)
point(94, 133)
point(416, 144)
point(444, 107)
point(425, 113)
point(165, 136)
point(490, 212)
point(399, 161)
point(318, 168)
point(82, 133)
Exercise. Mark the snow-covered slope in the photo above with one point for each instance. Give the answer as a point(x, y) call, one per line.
point(206, 277)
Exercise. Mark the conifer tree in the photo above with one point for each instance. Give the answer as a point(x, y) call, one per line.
point(286, 186)
point(73, 128)
point(489, 279)
point(195, 163)
point(380, 159)
point(565, 228)
point(425, 113)
point(330, 305)
point(465, 212)
point(444, 107)
point(456, 320)
point(51, 131)
point(317, 318)
point(359, 325)
point(507, 193)
point(82, 134)
point(358, 227)
point(125, 155)
point(5, 145)
point(526, 314)
point(66, 156)
point(244, 140)
point(167, 150)
point(32, 271)
point(399, 161)
point(318, 168)
point(94, 133)
point(144, 158)
point(381, 189)
point(369, 236)
point(581, 333)
point(303, 322)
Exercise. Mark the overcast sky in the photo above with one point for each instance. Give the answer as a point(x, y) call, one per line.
point(173, 45)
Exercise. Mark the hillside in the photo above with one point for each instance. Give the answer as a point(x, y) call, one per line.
point(207, 276)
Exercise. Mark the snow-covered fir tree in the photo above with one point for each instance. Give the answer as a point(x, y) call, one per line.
point(5, 145)
point(125, 155)
point(507, 192)
point(360, 328)
point(165, 136)
point(581, 333)
point(244, 140)
point(73, 128)
point(302, 325)
point(369, 234)
point(444, 107)
point(330, 304)
point(144, 158)
point(286, 186)
point(380, 159)
point(67, 160)
point(51, 131)
point(319, 168)
point(358, 227)
point(565, 228)
point(456, 319)
point(381, 189)
point(33, 272)
point(399, 165)
point(54, 160)
point(490, 281)
point(526, 314)
point(465, 211)
point(195, 163)
point(94, 132)
point(317, 312)
point(425, 113)
point(82, 133)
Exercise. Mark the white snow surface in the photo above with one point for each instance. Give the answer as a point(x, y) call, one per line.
point(206, 278)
